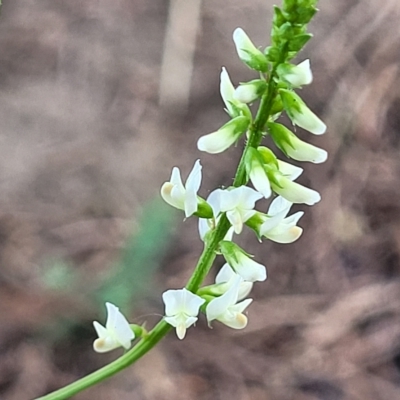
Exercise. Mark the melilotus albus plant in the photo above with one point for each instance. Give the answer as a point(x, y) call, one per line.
point(260, 176)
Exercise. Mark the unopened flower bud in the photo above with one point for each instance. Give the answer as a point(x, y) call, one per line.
point(250, 91)
point(248, 53)
point(300, 114)
point(226, 136)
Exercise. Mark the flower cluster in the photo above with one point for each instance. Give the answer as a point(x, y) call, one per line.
point(272, 178)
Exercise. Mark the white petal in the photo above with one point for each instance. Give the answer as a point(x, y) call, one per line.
point(181, 301)
point(307, 120)
point(300, 75)
point(272, 222)
point(260, 181)
point(101, 331)
point(303, 151)
point(176, 178)
point(216, 142)
point(204, 227)
point(284, 235)
point(172, 300)
point(235, 319)
point(246, 93)
point(214, 200)
point(226, 89)
point(227, 275)
point(247, 197)
point(293, 219)
point(192, 303)
point(118, 326)
point(218, 306)
point(103, 345)
point(296, 193)
point(235, 219)
point(278, 205)
point(194, 179)
point(243, 44)
point(249, 270)
point(290, 171)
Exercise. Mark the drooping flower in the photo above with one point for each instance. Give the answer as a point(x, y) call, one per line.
point(296, 75)
point(282, 178)
point(300, 114)
point(293, 147)
point(241, 263)
point(227, 310)
point(248, 53)
point(224, 137)
point(116, 333)
point(275, 225)
point(228, 276)
point(180, 196)
point(181, 309)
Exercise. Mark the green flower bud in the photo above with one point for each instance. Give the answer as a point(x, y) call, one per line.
point(250, 91)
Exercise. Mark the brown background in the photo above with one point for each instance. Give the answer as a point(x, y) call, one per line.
point(84, 149)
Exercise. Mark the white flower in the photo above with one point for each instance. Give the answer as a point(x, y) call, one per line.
point(295, 148)
point(277, 227)
point(247, 52)
point(223, 138)
point(296, 75)
point(226, 309)
point(238, 203)
point(181, 309)
point(242, 264)
point(116, 333)
point(300, 114)
point(179, 196)
point(282, 183)
point(228, 276)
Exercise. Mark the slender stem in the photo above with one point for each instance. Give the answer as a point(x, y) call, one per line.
point(202, 268)
point(146, 344)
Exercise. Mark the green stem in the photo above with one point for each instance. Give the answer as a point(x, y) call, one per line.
point(146, 344)
point(202, 268)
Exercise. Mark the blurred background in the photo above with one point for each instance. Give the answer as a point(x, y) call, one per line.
point(98, 101)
